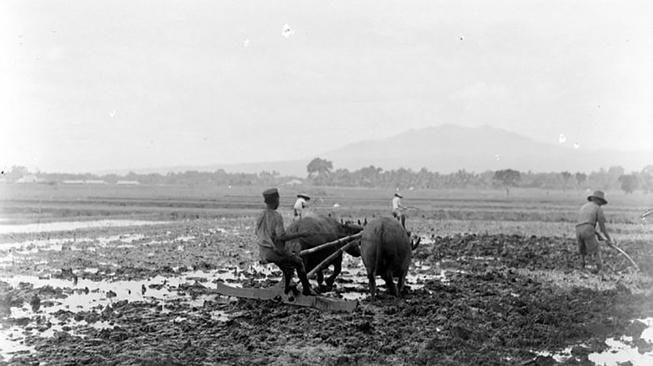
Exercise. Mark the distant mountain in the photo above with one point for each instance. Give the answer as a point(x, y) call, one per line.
point(448, 148)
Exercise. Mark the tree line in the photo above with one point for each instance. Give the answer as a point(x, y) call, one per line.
point(321, 172)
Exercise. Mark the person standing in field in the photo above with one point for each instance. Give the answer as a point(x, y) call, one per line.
point(398, 209)
point(272, 236)
point(300, 205)
point(591, 215)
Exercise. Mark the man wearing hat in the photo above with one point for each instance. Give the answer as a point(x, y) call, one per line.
point(271, 241)
point(300, 205)
point(398, 209)
point(589, 216)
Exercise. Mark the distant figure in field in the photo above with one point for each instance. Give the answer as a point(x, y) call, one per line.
point(300, 205)
point(272, 243)
point(589, 216)
point(398, 209)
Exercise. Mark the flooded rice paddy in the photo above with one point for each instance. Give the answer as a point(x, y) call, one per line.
point(107, 286)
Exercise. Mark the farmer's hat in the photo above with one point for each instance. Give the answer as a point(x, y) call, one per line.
point(599, 195)
point(398, 195)
point(272, 192)
point(304, 196)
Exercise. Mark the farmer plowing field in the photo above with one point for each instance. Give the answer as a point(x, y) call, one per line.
point(591, 215)
point(271, 241)
point(272, 245)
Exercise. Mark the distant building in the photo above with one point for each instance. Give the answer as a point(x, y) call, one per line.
point(84, 181)
point(128, 182)
point(30, 178)
point(293, 182)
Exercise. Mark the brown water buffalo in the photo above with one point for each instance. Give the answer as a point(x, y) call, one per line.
point(386, 249)
point(322, 229)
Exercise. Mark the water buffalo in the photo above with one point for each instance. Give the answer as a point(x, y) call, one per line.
point(386, 249)
point(322, 229)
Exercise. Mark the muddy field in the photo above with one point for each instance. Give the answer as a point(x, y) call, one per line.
point(129, 278)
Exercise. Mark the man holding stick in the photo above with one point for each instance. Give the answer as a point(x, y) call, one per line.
point(589, 216)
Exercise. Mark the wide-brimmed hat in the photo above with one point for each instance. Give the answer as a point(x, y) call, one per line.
point(304, 196)
point(598, 195)
point(398, 195)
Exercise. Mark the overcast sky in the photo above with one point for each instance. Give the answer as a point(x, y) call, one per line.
point(96, 85)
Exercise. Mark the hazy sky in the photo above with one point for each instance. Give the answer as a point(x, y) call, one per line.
point(95, 85)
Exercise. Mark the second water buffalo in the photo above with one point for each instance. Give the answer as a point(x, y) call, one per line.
point(386, 250)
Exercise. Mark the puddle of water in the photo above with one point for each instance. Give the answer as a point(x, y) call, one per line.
point(621, 352)
point(185, 238)
point(87, 295)
point(125, 238)
point(57, 244)
point(12, 341)
point(222, 316)
point(72, 225)
point(354, 277)
point(48, 244)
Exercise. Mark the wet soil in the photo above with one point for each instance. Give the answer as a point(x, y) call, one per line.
point(143, 295)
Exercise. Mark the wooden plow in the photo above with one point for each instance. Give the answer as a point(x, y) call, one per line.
point(276, 293)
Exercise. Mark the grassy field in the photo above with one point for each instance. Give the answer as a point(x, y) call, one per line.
point(30, 202)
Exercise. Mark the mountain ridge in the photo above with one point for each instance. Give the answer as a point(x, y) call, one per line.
point(448, 148)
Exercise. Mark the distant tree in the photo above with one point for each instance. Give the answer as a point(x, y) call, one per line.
point(614, 172)
point(15, 173)
point(508, 178)
point(580, 178)
point(565, 179)
point(369, 176)
point(628, 182)
point(646, 178)
point(319, 166)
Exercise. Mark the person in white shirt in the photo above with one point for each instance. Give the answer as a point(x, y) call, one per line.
point(300, 205)
point(398, 209)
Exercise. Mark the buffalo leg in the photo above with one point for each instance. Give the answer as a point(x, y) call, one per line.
point(320, 279)
point(389, 283)
point(401, 282)
point(372, 281)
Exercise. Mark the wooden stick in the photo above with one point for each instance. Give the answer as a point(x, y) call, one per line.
point(330, 244)
point(621, 251)
point(329, 259)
